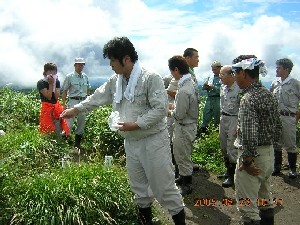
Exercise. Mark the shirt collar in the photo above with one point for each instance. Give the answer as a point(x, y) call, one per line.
point(183, 78)
point(251, 86)
point(232, 86)
point(79, 75)
point(191, 71)
point(285, 81)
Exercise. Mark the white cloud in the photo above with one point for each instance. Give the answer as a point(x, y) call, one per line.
point(183, 2)
point(59, 31)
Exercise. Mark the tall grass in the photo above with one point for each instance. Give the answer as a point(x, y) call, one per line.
point(81, 194)
point(35, 189)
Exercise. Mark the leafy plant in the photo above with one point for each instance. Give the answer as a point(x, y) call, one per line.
point(81, 194)
point(99, 136)
point(18, 109)
point(207, 153)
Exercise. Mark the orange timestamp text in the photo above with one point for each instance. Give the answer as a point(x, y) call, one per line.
point(241, 202)
point(213, 202)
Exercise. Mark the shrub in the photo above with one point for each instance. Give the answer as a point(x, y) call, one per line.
point(18, 109)
point(207, 153)
point(98, 135)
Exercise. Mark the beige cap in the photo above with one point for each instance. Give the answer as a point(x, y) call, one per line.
point(216, 63)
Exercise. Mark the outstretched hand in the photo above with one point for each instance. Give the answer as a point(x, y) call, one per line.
point(251, 169)
point(69, 113)
point(297, 116)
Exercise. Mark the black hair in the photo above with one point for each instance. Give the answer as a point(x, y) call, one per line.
point(189, 52)
point(252, 73)
point(285, 63)
point(49, 66)
point(118, 48)
point(179, 62)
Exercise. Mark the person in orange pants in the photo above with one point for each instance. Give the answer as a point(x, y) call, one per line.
point(51, 109)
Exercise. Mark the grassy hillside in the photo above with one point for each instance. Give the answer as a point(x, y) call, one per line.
point(36, 189)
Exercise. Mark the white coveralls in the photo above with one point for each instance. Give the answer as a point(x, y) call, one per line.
point(230, 102)
point(186, 114)
point(148, 154)
point(173, 86)
point(288, 95)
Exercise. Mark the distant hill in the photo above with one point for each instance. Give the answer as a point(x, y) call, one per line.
point(94, 81)
point(98, 81)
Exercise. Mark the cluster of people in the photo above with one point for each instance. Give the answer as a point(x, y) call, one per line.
point(158, 120)
point(76, 87)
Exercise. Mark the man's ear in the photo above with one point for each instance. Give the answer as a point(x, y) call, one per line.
point(243, 73)
point(126, 59)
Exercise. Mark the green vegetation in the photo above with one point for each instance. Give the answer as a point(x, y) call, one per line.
point(36, 189)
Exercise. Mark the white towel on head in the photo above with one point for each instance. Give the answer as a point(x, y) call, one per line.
point(133, 79)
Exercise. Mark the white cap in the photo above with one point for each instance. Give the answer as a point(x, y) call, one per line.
point(79, 61)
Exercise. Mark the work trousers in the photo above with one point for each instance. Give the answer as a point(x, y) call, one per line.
point(80, 118)
point(252, 191)
point(288, 134)
point(228, 125)
point(211, 110)
point(151, 172)
point(184, 135)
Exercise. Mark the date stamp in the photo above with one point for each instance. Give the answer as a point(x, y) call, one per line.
point(200, 202)
point(266, 202)
point(213, 202)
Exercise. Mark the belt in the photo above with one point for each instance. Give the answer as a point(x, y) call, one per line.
point(264, 144)
point(184, 124)
point(285, 113)
point(78, 98)
point(226, 114)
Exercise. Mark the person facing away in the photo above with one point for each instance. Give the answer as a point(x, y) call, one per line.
point(49, 88)
point(258, 129)
point(287, 91)
point(76, 87)
point(212, 103)
point(230, 102)
point(192, 58)
point(139, 96)
point(185, 113)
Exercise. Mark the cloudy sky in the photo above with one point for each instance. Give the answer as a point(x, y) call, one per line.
point(34, 32)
